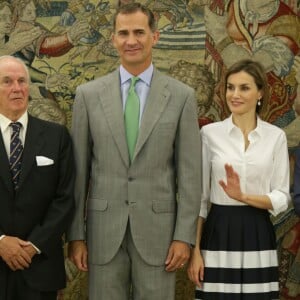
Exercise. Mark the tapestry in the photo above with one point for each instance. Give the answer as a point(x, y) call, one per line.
point(67, 43)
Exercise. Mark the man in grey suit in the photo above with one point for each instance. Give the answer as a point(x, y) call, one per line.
point(141, 205)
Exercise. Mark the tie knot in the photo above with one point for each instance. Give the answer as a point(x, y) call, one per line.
point(134, 80)
point(16, 126)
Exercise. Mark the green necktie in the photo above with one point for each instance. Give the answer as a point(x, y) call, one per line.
point(132, 116)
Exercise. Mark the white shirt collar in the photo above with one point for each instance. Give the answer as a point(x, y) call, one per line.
point(145, 76)
point(4, 121)
point(231, 127)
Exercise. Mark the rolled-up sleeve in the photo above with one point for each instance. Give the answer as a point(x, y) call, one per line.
point(280, 180)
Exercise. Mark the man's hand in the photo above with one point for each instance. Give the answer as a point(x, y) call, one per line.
point(31, 251)
point(178, 255)
point(77, 253)
point(13, 253)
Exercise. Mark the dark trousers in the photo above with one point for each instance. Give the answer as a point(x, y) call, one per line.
point(16, 288)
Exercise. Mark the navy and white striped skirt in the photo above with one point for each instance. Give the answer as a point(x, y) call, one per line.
point(238, 246)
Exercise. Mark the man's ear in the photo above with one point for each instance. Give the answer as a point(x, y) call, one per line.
point(112, 38)
point(155, 37)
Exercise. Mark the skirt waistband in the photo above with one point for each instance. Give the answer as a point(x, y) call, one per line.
point(238, 210)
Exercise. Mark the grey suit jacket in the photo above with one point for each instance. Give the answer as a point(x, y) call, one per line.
point(159, 192)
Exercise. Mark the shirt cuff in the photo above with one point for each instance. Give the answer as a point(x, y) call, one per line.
point(279, 202)
point(36, 248)
point(2, 236)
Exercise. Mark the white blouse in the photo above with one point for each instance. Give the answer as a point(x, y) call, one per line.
point(263, 168)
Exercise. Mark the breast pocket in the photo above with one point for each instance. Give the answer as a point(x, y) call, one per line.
point(166, 128)
point(163, 206)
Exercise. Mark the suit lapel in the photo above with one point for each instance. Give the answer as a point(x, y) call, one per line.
point(111, 102)
point(157, 100)
point(33, 142)
point(5, 173)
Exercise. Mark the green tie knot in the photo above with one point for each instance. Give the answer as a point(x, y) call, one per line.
point(133, 82)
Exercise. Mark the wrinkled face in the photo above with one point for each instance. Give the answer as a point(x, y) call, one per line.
point(134, 40)
point(29, 13)
point(242, 93)
point(14, 89)
point(5, 20)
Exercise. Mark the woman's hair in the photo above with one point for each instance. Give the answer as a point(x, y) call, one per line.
point(134, 7)
point(255, 70)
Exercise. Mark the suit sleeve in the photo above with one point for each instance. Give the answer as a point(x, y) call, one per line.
point(59, 214)
point(82, 153)
point(188, 169)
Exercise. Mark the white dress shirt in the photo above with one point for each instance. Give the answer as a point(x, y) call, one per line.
point(263, 167)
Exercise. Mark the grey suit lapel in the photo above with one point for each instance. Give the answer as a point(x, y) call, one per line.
point(157, 100)
point(111, 101)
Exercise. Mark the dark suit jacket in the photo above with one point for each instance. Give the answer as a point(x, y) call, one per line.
point(297, 182)
point(41, 209)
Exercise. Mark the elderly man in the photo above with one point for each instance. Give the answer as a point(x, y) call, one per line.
point(36, 188)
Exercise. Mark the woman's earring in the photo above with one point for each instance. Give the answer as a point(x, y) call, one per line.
point(258, 102)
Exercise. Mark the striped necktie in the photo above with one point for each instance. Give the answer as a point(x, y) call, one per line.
point(132, 116)
point(16, 150)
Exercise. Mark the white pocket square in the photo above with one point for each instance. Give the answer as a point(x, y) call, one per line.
point(44, 161)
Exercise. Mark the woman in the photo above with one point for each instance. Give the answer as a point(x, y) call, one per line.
point(245, 177)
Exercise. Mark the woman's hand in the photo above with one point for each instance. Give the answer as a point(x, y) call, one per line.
point(232, 188)
point(195, 268)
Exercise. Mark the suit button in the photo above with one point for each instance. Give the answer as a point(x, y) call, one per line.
point(130, 179)
point(126, 202)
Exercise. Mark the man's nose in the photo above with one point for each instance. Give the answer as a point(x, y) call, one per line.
point(131, 39)
point(16, 86)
